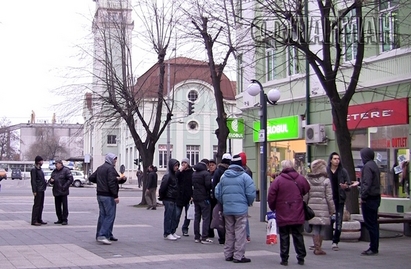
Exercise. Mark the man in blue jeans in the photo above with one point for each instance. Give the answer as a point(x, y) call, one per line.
point(370, 198)
point(107, 180)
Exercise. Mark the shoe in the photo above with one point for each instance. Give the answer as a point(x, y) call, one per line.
point(104, 240)
point(148, 208)
point(248, 239)
point(197, 241)
point(311, 247)
point(206, 241)
point(112, 238)
point(153, 208)
point(64, 223)
point(58, 222)
point(300, 262)
point(185, 234)
point(285, 263)
point(43, 222)
point(170, 237)
point(243, 260)
point(369, 252)
point(334, 247)
point(176, 236)
point(36, 224)
point(229, 259)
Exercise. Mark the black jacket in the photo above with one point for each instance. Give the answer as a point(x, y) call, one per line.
point(169, 187)
point(370, 176)
point(62, 181)
point(342, 176)
point(38, 182)
point(152, 180)
point(201, 183)
point(106, 178)
point(185, 187)
point(221, 167)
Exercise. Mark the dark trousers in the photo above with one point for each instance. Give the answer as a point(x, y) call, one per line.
point(202, 211)
point(186, 224)
point(297, 232)
point(37, 212)
point(61, 205)
point(339, 211)
point(369, 210)
point(221, 234)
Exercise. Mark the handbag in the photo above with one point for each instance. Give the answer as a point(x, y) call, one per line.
point(218, 222)
point(308, 212)
point(191, 211)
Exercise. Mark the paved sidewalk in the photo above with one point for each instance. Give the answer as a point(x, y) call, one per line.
point(141, 244)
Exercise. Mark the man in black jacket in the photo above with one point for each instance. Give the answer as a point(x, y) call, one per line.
point(168, 193)
point(61, 179)
point(340, 183)
point(107, 180)
point(185, 192)
point(38, 186)
point(370, 198)
point(151, 188)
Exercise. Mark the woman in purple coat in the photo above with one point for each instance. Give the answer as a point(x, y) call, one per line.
point(285, 197)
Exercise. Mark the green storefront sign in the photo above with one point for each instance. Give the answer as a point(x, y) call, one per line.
point(286, 128)
point(236, 128)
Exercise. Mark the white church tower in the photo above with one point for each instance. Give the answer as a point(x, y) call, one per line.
point(112, 30)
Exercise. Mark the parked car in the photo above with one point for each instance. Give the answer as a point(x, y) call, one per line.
point(78, 178)
point(3, 174)
point(16, 174)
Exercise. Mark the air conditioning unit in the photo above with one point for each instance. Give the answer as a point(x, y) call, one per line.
point(315, 133)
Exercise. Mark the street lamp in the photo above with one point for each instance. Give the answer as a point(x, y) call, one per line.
point(271, 97)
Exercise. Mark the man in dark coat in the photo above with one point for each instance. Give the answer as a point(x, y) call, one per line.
point(38, 186)
point(285, 197)
point(370, 198)
point(61, 179)
point(151, 188)
point(168, 193)
point(340, 183)
point(185, 192)
point(108, 181)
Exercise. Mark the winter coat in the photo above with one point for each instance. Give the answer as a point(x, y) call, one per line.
point(62, 181)
point(221, 167)
point(38, 182)
point(185, 187)
point(106, 178)
point(370, 176)
point(201, 182)
point(285, 197)
point(235, 191)
point(342, 176)
point(152, 180)
point(169, 186)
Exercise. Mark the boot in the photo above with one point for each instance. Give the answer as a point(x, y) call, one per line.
point(317, 243)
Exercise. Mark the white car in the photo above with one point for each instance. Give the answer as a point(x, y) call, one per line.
point(78, 177)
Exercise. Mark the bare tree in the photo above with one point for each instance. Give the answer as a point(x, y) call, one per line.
point(47, 145)
point(9, 139)
point(292, 27)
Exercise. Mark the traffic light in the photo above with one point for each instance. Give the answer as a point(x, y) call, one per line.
point(136, 161)
point(190, 108)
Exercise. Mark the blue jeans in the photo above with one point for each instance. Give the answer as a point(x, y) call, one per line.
point(370, 215)
point(169, 217)
point(179, 211)
point(107, 214)
point(339, 211)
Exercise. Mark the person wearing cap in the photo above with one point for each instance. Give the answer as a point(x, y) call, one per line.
point(236, 192)
point(250, 173)
point(38, 187)
point(108, 181)
point(185, 192)
point(61, 179)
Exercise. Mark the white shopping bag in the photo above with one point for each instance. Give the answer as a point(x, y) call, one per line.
point(271, 229)
point(191, 211)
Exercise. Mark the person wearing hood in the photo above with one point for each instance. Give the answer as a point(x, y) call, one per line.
point(61, 179)
point(340, 184)
point(168, 193)
point(285, 198)
point(107, 180)
point(320, 199)
point(201, 181)
point(236, 192)
point(370, 198)
point(185, 192)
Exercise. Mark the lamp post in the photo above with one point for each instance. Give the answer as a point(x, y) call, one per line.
point(272, 97)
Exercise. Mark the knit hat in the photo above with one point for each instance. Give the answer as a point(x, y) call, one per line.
point(236, 160)
point(59, 161)
point(319, 167)
point(243, 158)
point(38, 159)
point(206, 161)
point(185, 160)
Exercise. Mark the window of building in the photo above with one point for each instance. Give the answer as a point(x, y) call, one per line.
point(193, 153)
point(292, 58)
point(193, 126)
point(350, 36)
point(162, 155)
point(270, 64)
point(192, 95)
point(389, 25)
point(215, 149)
point(111, 139)
point(240, 73)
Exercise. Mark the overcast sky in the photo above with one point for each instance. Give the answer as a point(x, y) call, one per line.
point(38, 41)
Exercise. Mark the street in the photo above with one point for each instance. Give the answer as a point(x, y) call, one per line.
point(141, 242)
